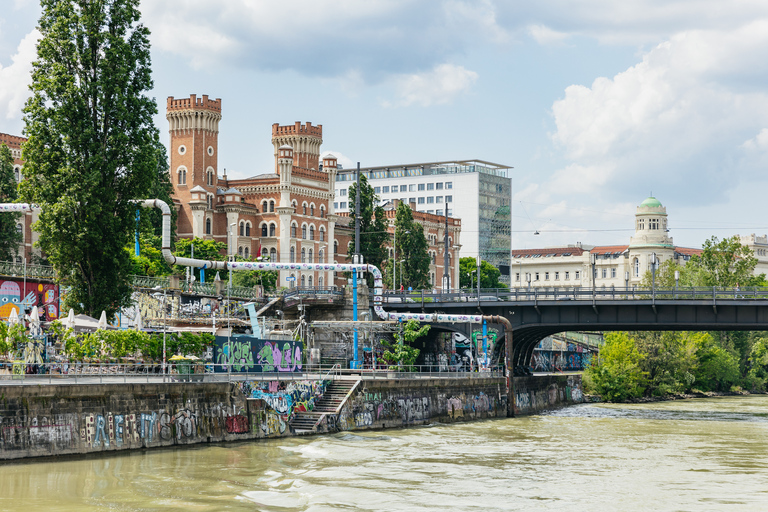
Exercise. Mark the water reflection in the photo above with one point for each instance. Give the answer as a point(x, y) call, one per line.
point(704, 454)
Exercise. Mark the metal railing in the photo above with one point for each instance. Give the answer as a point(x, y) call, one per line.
point(13, 269)
point(21, 373)
point(576, 293)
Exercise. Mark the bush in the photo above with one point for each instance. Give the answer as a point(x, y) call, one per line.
point(615, 374)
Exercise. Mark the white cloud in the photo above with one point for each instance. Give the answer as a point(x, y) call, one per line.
point(439, 86)
point(15, 78)
point(758, 142)
point(546, 36)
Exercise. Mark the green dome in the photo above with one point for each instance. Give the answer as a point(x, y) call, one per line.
point(651, 202)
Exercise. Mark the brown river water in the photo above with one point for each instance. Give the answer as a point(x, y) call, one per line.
point(702, 454)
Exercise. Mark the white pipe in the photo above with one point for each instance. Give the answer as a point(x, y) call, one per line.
point(258, 265)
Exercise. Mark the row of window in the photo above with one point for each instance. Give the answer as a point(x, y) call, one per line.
point(306, 281)
point(536, 276)
point(653, 224)
point(413, 187)
point(294, 228)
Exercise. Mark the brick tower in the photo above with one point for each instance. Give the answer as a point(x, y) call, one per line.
point(305, 140)
point(194, 130)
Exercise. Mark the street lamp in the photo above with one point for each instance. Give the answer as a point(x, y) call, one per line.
point(677, 278)
point(653, 274)
point(394, 257)
point(472, 280)
point(593, 260)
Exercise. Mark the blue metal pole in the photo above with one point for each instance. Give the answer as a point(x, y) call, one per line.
point(354, 316)
point(138, 246)
point(485, 343)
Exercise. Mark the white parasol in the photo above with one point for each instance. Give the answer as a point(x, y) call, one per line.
point(69, 323)
point(34, 321)
point(103, 320)
point(13, 318)
point(138, 324)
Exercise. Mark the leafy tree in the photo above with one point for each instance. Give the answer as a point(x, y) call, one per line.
point(373, 225)
point(204, 250)
point(249, 279)
point(726, 263)
point(489, 275)
point(92, 145)
point(401, 352)
point(718, 368)
point(412, 257)
point(669, 360)
point(9, 237)
point(616, 375)
point(758, 363)
point(151, 261)
point(160, 188)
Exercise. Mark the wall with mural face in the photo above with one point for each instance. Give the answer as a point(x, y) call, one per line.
point(14, 295)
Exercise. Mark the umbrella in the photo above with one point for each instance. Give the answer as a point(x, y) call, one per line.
point(13, 318)
point(34, 321)
point(138, 324)
point(103, 320)
point(69, 323)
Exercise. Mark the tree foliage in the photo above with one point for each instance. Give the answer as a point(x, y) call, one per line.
point(373, 225)
point(617, 375)
point(92, 145)
point(401, 352)
point(726, 263)
point(412, 257)
point(204, 250)
point(250, 278)
point(489, 275)
point(10, 238)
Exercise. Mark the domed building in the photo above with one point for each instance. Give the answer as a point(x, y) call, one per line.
point(615, 266)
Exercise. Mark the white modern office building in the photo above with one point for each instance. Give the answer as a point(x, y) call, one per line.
point(475, 191)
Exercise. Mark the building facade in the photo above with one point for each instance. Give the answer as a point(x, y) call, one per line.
point(604, 267)
point(27, 250)
point(475, 192)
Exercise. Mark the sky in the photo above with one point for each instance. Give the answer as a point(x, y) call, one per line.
point(597, 104)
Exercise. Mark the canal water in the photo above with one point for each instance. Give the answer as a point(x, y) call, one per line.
point(703, 454)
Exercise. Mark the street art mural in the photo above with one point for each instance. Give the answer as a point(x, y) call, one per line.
point(533, 400)
point(566, 357)
point(43, 295)
point(247, 354)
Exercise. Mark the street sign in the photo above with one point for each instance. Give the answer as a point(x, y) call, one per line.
point(290, 278)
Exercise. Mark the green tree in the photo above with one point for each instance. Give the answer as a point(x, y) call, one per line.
point(616, 374)
point(204, 250)
point(10, 238)
point(669, 360)
point(151, 261)
point(412, 257)
point(92, 145)
point(718, 369)
point(373, 225)
point(726, 263)
point(401, 352)
point(249, 279)
point(489, 275)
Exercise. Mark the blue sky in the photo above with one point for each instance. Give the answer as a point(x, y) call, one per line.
point(596, 104)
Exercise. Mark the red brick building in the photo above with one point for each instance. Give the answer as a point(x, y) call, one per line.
point(30, 237)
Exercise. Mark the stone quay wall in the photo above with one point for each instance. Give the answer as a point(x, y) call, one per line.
point(53, 420)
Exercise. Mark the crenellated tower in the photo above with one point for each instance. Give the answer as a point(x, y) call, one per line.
point(194, 134)
point(305, 140)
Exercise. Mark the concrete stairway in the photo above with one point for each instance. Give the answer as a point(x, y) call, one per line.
point(336, 395)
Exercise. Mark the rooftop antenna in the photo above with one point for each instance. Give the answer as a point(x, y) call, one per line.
point(535, 231)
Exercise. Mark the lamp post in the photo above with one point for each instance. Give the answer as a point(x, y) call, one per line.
point(653, 274)
point(626, 280)
point(593, 260)
point(677, 279)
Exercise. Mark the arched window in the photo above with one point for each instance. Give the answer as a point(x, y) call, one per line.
point(293, 230)
point(264, 230)
point(239, 251)
point(312, 210)
point(210, 201)
point(304, 208)
point(310, 260)
point(182, 172)
point(273, 254)
point(17, 174)
point(209, 175)
point(322, 234)
point(242, 228)
point(304, 232)
point(303, 281)
point(207, 226)
point(335, 247)
point(293, 280)
point(321, 256)
point(322, 211)
point(320, 282)
point(434, 258)
point(311, 232)
point(245, 253)
point(264, 207)
point(636, 266)
point(271, 206)
point(272, 230)
point(247, 229)
point(309, 281)
point(19, 228)
point(293, 255)
point(303, 255)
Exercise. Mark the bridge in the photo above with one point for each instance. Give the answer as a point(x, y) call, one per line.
point(537, 313)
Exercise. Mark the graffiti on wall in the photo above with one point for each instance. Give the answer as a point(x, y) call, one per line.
point(281, 401)
point(43, 295)
point(254, 355)
point(532, 400)
point(551, 361)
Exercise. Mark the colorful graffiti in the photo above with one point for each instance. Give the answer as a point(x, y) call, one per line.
point(254, 355)
point(552, 361)
point(43, 295)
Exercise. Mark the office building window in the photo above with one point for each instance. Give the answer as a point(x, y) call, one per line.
point(439, 186)
point(411, 200)
point(412, 187)
point(439, 199)
point(430, 200)
point(430, 186)
point(343, 192)
point(449, 184)
point(385, 189)
point(421, 187)
point(420, 200)
point(448, 199)
point(377, 190)
point(335, 206)
point(403, 188)
point(438, 212)
point(343, 204)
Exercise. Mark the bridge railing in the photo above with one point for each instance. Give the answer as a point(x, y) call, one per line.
point(576, 293)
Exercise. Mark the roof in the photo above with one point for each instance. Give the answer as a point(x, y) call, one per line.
point(610, 249)
point(651, 202)
point(198, 188)
point(687, 251)
point(548, 252)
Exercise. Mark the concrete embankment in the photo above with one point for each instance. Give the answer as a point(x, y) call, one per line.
point(51, 420)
